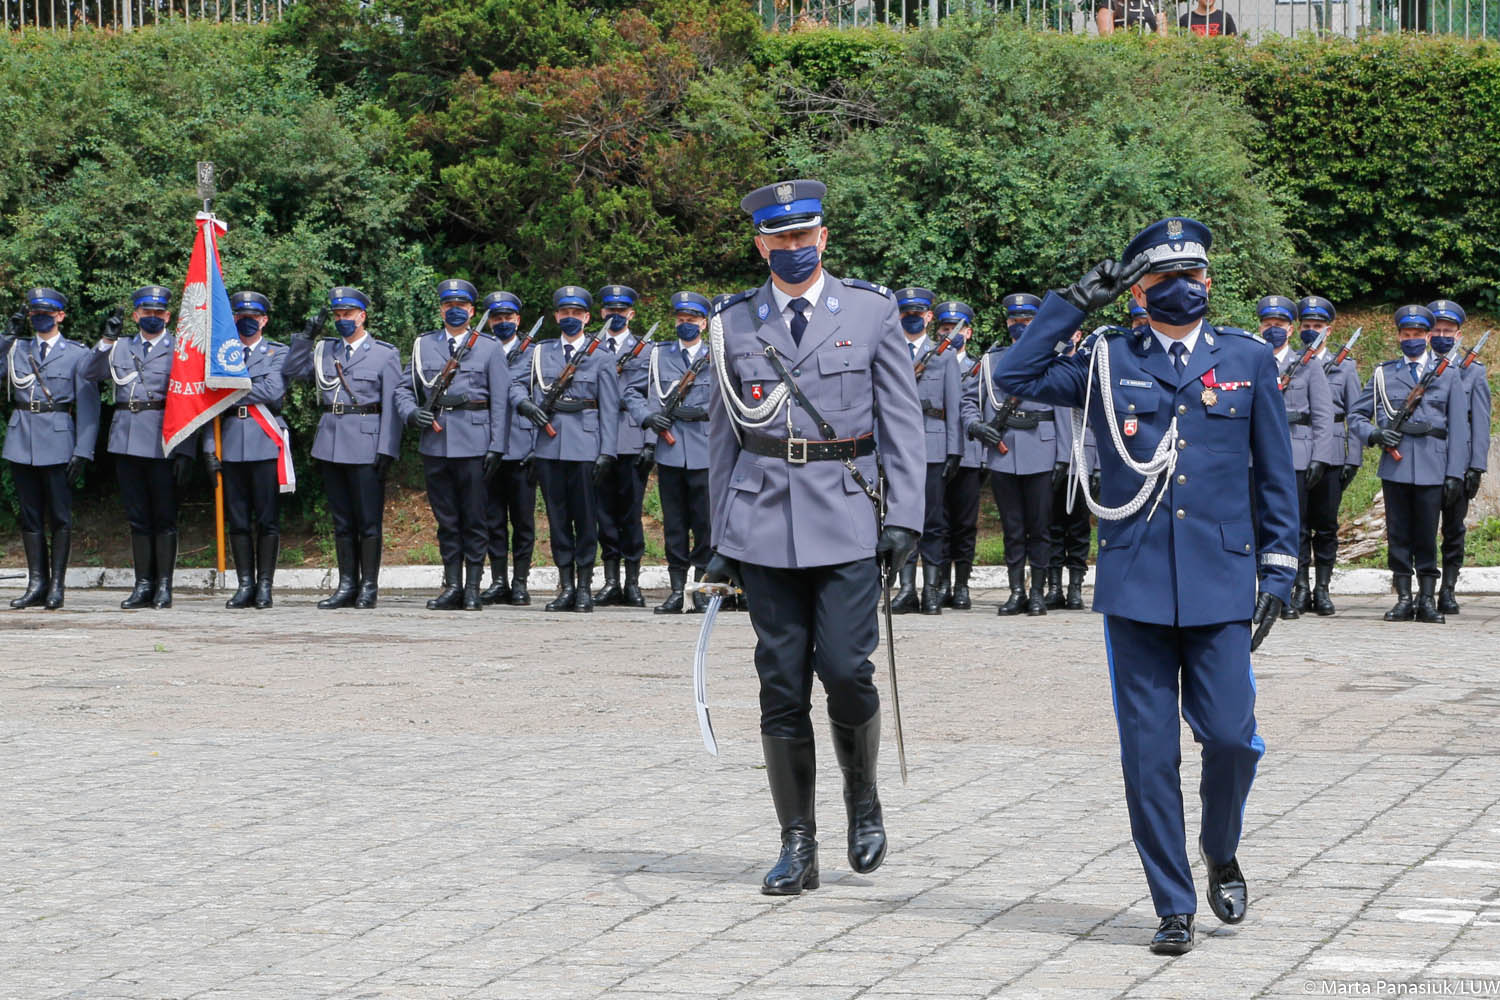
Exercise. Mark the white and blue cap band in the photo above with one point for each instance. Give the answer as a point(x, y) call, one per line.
point(1021, 304)
point(345, 297)
point(250, 302)
point(1316, 308)
point(1173, 244)
point(457, 290)
point(690, 302)
point(1449, 310)
point(1276, 307)
point(785, 206)
point(46, 298)
point(915, 298)
point(572, 296)
point(152, 297)
point(953, 311)
point(618, 296)
point(1419, 316)
point(502, 302)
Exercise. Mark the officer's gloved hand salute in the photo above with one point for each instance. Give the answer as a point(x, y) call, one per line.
point(1103, 283)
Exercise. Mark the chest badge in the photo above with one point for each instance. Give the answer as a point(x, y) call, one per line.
point(833, 304)
point(756, 392)
point(1130, 426)
point(763, 312)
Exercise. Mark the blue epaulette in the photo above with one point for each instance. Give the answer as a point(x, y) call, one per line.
point(734, 299)
point(869, 286)
point(1236, 331)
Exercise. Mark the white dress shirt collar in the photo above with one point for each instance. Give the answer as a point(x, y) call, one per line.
point(1190, 341)
point(812, 295)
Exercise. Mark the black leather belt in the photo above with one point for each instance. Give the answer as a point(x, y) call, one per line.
point(42, 405)
point(690, 413)
point(137, 405)
point(341, 409)
point(566, 405)
point(799, 451)
point(1296, 419)
point(1338, 418)
point(935, 412)
point(1415, 428)
point(468, 404)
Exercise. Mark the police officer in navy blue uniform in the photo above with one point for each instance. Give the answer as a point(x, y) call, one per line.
point(1180, 411)
point(961, 497)
point(1433, 446)
point(571, 464)
point(252, 485)
point(140, 368)
point(49, 440)
point(1447, 330)
point(463, 437)
point(358, 436)
point(1320, 532)
point(512, 490)
point(623, 484)
point(681, 464)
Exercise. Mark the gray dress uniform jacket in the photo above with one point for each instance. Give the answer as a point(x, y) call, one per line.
point(1426, 459)
point(942, 402)
point(632, 404)
point(1478, 386)
point(1031, 451)
point(1344, 387)
point(853, 366)
point(973, 453)
point(373, 374)
point(482, 377)
point(584, 435)
point(1309, 413)
point(36, 438)
point(138, 379)
point(521, 437)
point(243, 439)
point(668, 363)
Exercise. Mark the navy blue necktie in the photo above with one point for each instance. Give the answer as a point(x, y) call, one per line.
point(567, 354)
point(1179, 356)
point(45, 345)
point(146, 352)
point(913, 347)
point(1413, 366)
point(799, 319)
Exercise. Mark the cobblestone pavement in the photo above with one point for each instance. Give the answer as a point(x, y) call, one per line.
point(516, 805)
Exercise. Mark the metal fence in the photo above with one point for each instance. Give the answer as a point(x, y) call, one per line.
point(1251, 18)
point(123, 15)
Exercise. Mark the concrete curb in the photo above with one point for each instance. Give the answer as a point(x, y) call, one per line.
point(1349, 582)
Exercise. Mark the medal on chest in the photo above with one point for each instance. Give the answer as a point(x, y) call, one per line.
point(1208, 395)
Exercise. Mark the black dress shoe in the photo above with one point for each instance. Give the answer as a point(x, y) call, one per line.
point(1174, 936)
point(1226, 889)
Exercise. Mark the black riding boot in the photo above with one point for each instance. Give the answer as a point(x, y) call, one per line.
point(520, 597)
point(673, 604)
point(62, 542)
point(610, 593)
point(243, 551)
point(1016, 603)
point(1403, 610)
point(1074, 600)
point(565, 591)
point(451, 597)
point(906, 600)
point(267, 548)
point(1052, 600)
point(1301, 597)
point(857, 748)
point(473, 577)
point(35, 593)
point(932, 596)
point(630, 594)
point(369, 572)
point(145, 588)
point(348, 586)
point(1427, 610)
point(1321, 602)
point(945, 584)
point(961, 601)
point(498, 592)
point(791, 768)
point(1447, 603)
point(164, 555)
point(582, 600)
point(1036, 604)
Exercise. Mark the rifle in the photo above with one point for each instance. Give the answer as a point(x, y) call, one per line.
point(673, 402)
point(1472, 353)
point(520, 348)
point(1002, 417)
point(1285, 378)
point(1344, 351)
point(1413, 399)
point(932, 352)
point(450, 370)
point(564, 377)
point(635, 352)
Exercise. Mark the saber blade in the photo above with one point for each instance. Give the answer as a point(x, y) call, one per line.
point(700, 664)
point(890, 653)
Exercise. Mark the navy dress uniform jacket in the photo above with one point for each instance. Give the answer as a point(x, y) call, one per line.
point(243, 440)
point(135, 432)
point(373, 374)
point(668, 363)
point(1194, 562)
point(42, 439)
point(482, 377)
point(1426, 460)
point(584, 435)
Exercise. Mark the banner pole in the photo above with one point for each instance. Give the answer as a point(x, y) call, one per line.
point(219, 501)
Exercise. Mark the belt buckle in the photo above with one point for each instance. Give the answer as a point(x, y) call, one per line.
point(242, 412)
point(794, 456)
point(34, 405)
point(135, 406)
point(338, 409)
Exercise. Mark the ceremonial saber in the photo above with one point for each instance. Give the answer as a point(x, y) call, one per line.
point(886, 579)
point(716, 593)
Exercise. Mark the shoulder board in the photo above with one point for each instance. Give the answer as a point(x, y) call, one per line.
point(1392, 363)
point(1234, 331)
point(735, 299)
point(869, 286)
point(273, 345)
point(385, 343)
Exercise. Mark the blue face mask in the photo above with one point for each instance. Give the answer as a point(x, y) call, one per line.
point(151, 325)
point(688, 332)
point(43, 322)
point(572, 326)
point(247, 326)
point(1275, 335)
point(1413, 347)
point(617, 322)
point(1310, 337)
point(455, 316)
point(504, 330)
point(1442, 344)
point(345, 327)
point(795, 266)
point(1177, 301)
point(913, 323)
point(1016, 329)
point(959, 341)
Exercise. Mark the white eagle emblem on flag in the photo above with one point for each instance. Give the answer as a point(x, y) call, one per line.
point(193, 326)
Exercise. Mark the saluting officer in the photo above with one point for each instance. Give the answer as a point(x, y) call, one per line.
point(1070, 530)
point(571, 464)
point(140, 368)
point(1447, 332)
point(623, 482)
point(1309, 413)
point(463, 437)
point(358, 437)
point(1433, 445)
point(50, 438)
point(1021, 478)
point(682, 463)
point(810, 371)
point(1320, 532)
point(961, 497)
point(251, 450)
point(1188, 408)
point(512, 490)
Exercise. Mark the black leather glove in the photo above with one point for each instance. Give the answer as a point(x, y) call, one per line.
point(1384, 437)
point(491, 464)
point(182, 469)
point(314, 326)
point(16, 325)
point(950, 468)
point(1267, 610)
point(77, 466)
point(1453, 488)
point(531, 411)
point(985, 432)
point(113, 324)
point(528, 466)
point(645, 460)
point(657, 422)
point(383, 465)
point(1059, 475)
point(601, 467)
point(1315, 472)
point(1103, 283)
point(212, 465)
point(1347, 474)
point(1471, 483)
point(895, 545)
point(722, 569)
point(423, 418)
point(1096, 485)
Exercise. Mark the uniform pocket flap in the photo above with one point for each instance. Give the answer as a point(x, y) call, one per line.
point(748, 478)
point(837, 361)
point(1239, 537)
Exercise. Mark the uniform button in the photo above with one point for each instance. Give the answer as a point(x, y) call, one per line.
point(796, 372)
point(1132, 406)
point(1103, 542)
point(1181, 407)
point(1181, 479)
point(1247, 548)
point(1181, 444)
point(1181, 513)
point(1231, 411)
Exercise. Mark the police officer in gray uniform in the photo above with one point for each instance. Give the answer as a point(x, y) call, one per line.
point(623, 483)
point(1321, 534)
point(463, 437)
point(1433, 446)
point(252, 487)
point(573, 459)
point(682, 462)
point(1309, 414)
point(1448, 320)
point(512, 490)
point(50, 438)
point(358, 436)
point(811, 370)
point(941, 398)
point(140, 368)
point(961, 497)
point(1022, 476)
